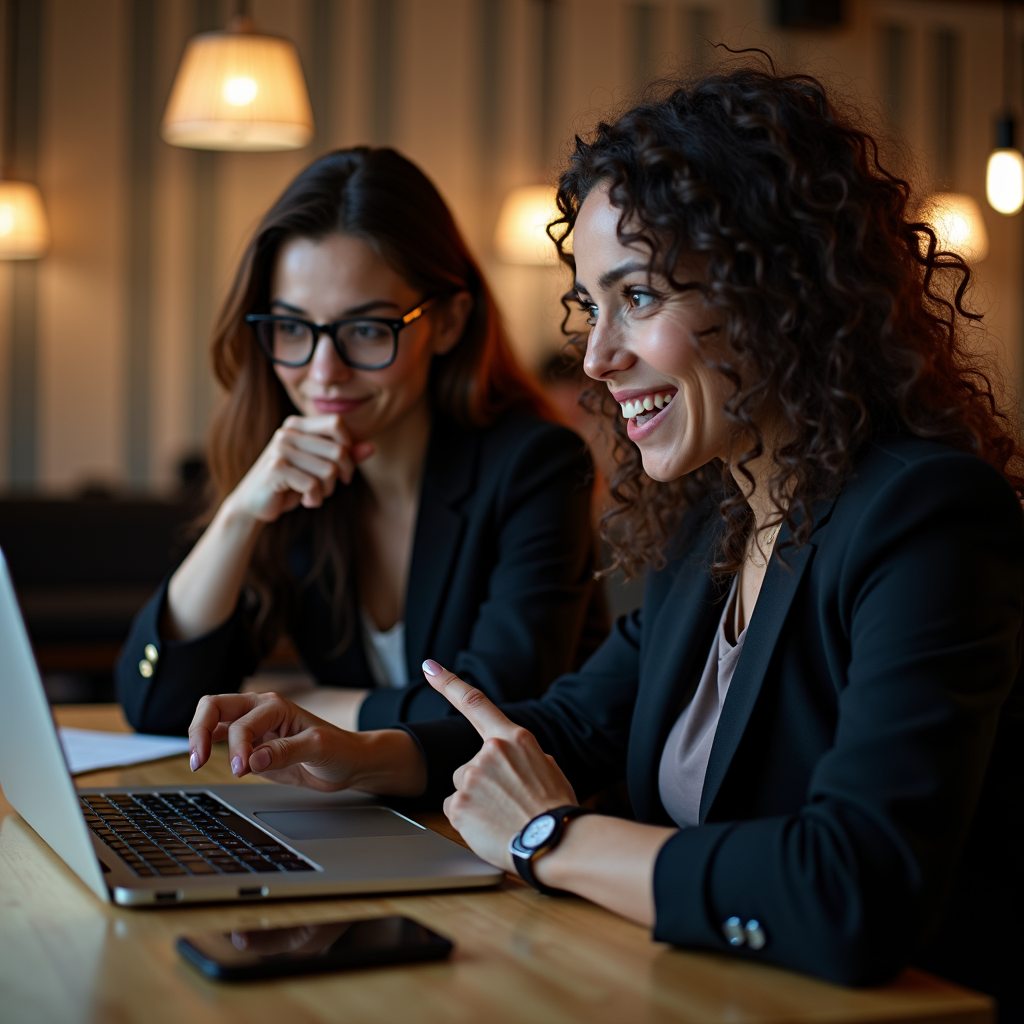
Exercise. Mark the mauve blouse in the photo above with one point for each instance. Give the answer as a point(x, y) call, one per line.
point(684, 759)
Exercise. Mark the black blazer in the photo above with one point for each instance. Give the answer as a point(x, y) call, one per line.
point(500, 587)
point(853, 805)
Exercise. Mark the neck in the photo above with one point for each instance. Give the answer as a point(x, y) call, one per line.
point(394, 470)
point(758, 494)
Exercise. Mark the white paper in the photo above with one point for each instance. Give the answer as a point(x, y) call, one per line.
point(86, 750)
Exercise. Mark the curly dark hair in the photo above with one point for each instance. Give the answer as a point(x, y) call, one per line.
point(838, 311)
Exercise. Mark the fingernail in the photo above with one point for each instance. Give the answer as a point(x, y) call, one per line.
point(260, 760)
point(193, 761)
point(236, 765)
point(432, 668)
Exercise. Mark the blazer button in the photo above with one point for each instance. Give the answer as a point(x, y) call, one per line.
point(151, 653)
point(733, 932)
point(756, 938)
point(145, 669)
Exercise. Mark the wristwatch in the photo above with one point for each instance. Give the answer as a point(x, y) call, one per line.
point(539, 836)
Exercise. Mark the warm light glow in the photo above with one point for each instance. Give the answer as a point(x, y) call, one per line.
point(521, 235)
point(24, 233)
point(239, 91)
point(1004, 182)
point(959, 227)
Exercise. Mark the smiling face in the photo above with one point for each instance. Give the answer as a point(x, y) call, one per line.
point(340, 276)
point(643, 346)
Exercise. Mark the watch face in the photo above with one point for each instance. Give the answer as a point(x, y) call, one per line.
point(538, 831)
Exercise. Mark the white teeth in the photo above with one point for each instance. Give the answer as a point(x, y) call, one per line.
point(645, 404)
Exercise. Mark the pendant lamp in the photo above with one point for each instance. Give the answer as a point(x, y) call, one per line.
point(24, 232)
point(521, 234)
point(1004, 178)
point(239, 90)
point(956, 219)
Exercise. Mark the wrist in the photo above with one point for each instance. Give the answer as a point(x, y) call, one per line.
point(389, 762)
point(235, 520)
point(539, 839)
point(558, 868)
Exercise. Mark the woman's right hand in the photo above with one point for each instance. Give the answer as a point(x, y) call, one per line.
point(301, 465)
point(278, 740)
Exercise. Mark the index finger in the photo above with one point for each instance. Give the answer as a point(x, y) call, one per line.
point(211, 712)
point(469, 701)
point(329, 425)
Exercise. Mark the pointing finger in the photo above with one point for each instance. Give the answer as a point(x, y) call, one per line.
point(208, 723)
point(469, 701)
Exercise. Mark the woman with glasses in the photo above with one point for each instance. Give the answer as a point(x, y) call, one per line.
point(389, 485)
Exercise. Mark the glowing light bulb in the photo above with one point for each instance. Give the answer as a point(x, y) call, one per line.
point(240, 92)
point(1004, 181)
point(521, 234)
point(24, 232)
point(958, 225)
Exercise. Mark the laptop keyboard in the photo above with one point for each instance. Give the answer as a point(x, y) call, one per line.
point(185, 834)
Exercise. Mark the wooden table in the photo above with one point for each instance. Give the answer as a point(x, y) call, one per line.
point(66, 958)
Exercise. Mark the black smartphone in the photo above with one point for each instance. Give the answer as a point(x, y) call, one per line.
point(311, 948)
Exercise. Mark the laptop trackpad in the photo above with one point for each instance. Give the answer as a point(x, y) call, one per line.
point(339, 823)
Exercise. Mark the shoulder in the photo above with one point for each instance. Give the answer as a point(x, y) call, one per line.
point(523, 449)
point(912, 488)
point(508, 461)
point(518, 431)
point(922, 473)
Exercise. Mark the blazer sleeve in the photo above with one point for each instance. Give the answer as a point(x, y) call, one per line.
point(528, 628)
point(163, 700)
point(930, 599)
point(583, 722)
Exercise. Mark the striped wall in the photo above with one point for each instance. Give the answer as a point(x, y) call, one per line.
point(104, 375)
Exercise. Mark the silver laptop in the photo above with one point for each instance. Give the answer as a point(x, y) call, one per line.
point(169, 845)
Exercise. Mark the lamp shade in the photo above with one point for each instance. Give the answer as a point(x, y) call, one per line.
point(956, 219)
point(521, 235)
point(24, 232)
point(1004, 180)
point(237, 90)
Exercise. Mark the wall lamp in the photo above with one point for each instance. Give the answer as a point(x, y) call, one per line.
point(24, 231)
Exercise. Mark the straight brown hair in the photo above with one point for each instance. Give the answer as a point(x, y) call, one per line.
point(377, 195)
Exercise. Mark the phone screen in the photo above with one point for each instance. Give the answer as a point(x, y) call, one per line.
point(309, 948)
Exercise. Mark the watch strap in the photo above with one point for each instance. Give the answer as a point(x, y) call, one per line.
point(524, 859)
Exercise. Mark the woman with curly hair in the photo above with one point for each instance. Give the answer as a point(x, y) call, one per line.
point(816, 710)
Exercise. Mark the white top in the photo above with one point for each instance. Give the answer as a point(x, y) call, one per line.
point(385, 651)
point(684, 760)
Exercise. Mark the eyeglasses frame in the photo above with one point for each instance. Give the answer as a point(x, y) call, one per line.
point(331, 330)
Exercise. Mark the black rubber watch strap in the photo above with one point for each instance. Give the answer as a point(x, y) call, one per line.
point(524, 859)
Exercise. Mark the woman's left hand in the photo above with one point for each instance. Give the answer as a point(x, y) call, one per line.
point(510, 781)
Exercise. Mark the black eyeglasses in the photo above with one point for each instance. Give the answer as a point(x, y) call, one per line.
point(364, 342)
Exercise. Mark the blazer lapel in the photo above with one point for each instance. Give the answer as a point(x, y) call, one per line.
point(777, 591)
point(671, 648)
point(448, 476)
